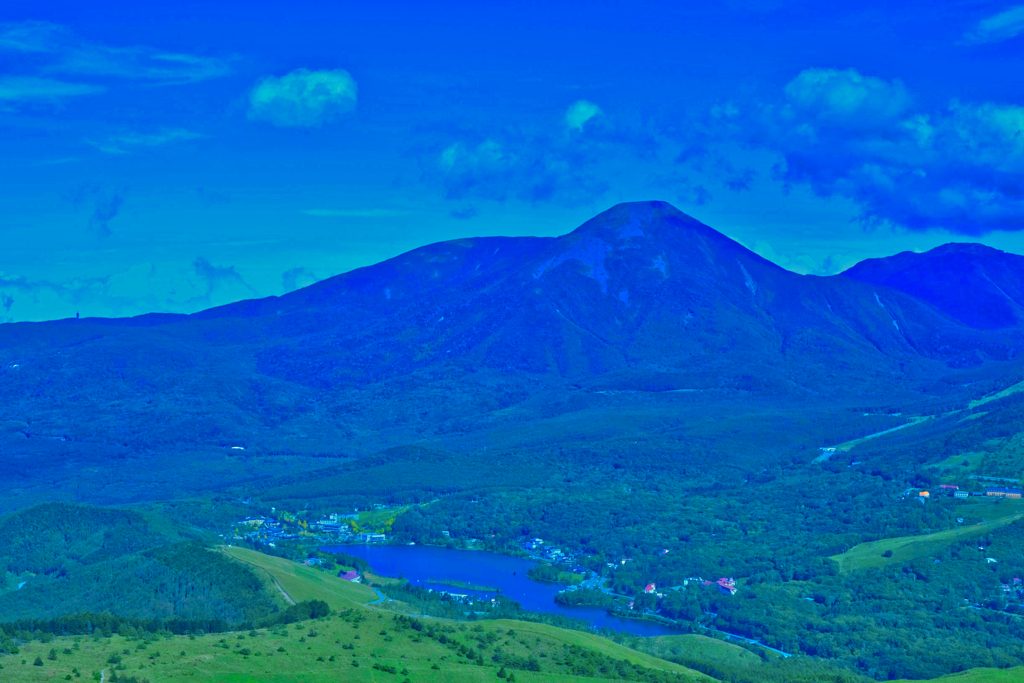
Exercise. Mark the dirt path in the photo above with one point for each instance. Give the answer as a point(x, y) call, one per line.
point(287, 598)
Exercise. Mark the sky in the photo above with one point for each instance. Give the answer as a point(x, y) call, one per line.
point(176, 156)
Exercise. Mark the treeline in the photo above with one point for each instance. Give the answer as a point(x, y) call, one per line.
point(107, 624)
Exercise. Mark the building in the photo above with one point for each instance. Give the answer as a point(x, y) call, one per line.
point(371, 538)
point(948, 487)
point(960, 494)
point(349, 576)
point(1013, 493)
point(924, 494)
point(649, 588)
point(727, 586)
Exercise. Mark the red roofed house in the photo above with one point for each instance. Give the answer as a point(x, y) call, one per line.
point(727, 586)
point(649, 588)
point(349, 576)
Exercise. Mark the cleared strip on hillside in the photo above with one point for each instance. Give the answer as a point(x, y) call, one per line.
point(1012, 389)
point(305, 583)
point(907, 548)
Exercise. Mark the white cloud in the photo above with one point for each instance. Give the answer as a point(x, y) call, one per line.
point(959, 167)
point(62, 51)
point(846, 98)
point(355, 213)
point(28, 88)
point(579, 113)
point(123, 143)
point(303, 98)
point(997, 28)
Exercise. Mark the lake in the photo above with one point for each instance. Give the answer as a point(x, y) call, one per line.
point(419, 564)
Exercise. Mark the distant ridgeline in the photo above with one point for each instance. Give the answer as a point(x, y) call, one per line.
point(63, 559)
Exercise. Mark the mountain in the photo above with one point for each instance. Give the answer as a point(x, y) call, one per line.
point(976, 285)
point(454, 343)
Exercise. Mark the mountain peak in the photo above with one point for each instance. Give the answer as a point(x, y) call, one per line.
point(636, 219)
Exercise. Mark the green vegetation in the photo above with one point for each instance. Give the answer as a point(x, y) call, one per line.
point(908, 548)
point(76, 558)
point(1008, 391)
point(554, 573)
point(298, 582)
point(467, 586)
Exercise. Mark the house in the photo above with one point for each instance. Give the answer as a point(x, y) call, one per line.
point(924, 494)
point(371, 538)
point(727, 586)
point(312, 562)
point(1002, 492)
point(664, 552)
point(991, 560)
point(349, 576)
point(960, 494)
point(649, 588)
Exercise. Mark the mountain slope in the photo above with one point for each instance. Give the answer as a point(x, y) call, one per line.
point(977, 285)
point(458, 341)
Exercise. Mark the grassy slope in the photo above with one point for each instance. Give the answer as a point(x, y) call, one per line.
point(203, 659)
point(1013, 389)
point(912, 421)
point(305, 583)
point(701, 648)
point(906, 548)
point(1013, 675)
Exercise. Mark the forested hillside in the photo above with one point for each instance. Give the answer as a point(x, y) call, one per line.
point(64, 559)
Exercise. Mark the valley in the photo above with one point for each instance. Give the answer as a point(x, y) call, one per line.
point(643, 394)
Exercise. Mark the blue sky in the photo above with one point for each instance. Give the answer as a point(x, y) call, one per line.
point(174, 157)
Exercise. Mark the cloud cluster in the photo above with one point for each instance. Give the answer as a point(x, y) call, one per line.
point(997, 28)
point(141, 288)
point(296, 278)
point(54, 49)
point(579, 113)
point(104, 210)
point(303, 98)
point(219, 277)
point(960, 167)
point(103, 205)
point(533, 168)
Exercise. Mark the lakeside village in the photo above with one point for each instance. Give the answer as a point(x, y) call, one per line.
point(286, 533)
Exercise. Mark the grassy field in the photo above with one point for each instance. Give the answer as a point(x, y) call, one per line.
point(701, 648)
point(912, 421)
point(378, 521)
point(1013, 675)
point(300, 582)
point(1012, 389)
point(341, 647)
point(906, 548)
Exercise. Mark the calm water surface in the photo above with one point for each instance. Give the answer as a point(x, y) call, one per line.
point(419, 564)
